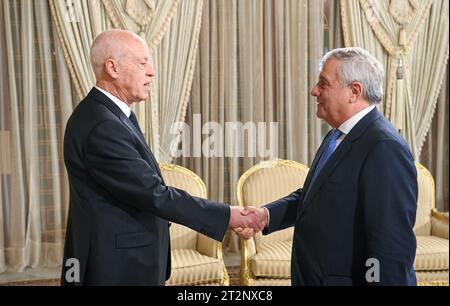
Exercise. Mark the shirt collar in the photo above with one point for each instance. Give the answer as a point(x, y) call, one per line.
point(122, 105)
point(348, 125)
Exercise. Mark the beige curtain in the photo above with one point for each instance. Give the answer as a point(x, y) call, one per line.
point(333, 29)
point(411, 40)
point(171, 29)
point(34, 109)
point(77, 29)
point(333, 35)
point(40, 61)
point(435, 150)
point(174, 62)
point(257, 62)
point(150, 19)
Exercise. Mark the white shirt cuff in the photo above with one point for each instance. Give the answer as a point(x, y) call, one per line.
point(268, 217)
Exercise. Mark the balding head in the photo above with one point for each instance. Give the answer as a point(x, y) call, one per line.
point(121, 63)
point(115, 44)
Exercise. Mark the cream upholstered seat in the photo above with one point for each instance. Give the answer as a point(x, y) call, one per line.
point(196, 259)
point(266, 260)
point(431, 229)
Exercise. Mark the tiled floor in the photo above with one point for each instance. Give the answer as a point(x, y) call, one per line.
point(232, 259)
point(30, 274)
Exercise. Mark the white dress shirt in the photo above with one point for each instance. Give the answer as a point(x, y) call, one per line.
point(122, 105)
point(348, 125)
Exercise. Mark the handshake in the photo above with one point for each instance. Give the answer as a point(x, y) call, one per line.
point(247, 221)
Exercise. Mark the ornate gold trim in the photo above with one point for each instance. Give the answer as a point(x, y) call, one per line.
point(265, 164)
point(246, 276)
point(435, 213)
point(225, 281)
point(191, 174)
point(428, 175)
point(248, 279)
point(433, 283)
point(439, 215)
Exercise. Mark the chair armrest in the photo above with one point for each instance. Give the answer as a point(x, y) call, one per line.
point(248, 249)
point(439, 224)
point(212, 248)
point(207, 246)
point(251, 246)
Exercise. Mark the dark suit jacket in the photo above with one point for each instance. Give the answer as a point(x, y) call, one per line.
point(117, 226)
point(362, 205)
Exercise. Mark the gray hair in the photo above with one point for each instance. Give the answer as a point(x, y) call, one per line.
point(358, 65)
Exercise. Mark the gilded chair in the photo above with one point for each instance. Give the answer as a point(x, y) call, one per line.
point(196, 259)
point(431, 229)
point(266, 260)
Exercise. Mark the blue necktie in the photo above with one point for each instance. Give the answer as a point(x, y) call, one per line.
point(335, 134)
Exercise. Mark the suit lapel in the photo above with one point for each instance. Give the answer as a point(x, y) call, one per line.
point(139, 136)
point(316, 160)
point(313, 187)
point(100, 97)
point(319, 153)
point(306, 185)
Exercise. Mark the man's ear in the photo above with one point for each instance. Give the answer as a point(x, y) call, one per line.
point(356, 91)
point(112, 68)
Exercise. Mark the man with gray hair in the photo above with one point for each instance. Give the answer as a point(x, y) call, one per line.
point(355, 214)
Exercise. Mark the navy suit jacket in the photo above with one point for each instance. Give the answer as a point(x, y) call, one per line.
point(361, 206)
point(117, 226)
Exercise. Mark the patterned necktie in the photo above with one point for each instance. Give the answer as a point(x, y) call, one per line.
point(135, 122)
point(335, 134)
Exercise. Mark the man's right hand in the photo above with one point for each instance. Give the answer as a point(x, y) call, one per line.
point(247, 221)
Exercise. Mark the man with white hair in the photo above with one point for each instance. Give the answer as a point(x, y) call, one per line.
point(355, 214)
point(117, 228)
